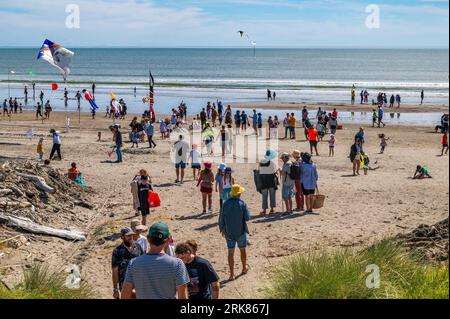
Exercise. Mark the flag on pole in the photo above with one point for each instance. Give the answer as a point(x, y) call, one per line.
point(57, 56)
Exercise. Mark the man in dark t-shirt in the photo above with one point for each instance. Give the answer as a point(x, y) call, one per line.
point(121, 256)
point(204, 282)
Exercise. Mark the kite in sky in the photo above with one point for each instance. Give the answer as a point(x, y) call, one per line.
point(57, 56)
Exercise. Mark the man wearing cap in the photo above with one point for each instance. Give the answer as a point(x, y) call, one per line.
point(121, 256)
point(156, 275)
point(233, 226)
point(137, 227)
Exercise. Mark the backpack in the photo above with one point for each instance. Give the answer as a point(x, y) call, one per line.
point(294, 172)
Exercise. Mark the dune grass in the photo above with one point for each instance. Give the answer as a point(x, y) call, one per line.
point(41, 283)
point(342, 275)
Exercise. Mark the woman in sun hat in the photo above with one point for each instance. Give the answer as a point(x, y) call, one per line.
point(206, 182)
point(233, 226)
point(268, 169)
point(225, 187)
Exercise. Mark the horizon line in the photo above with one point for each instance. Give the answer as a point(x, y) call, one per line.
point(244, 48)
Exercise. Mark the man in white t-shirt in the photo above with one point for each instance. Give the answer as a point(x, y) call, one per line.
point(181, 149)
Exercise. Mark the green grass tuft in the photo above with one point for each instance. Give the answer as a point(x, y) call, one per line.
point(40, 283)
point(342, 275)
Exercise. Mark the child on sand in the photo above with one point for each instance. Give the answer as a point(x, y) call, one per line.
point(40, 148)
point(421, 173)
point(206, 181)
point(374, 117)
point(194, 159)
point(331, 143)
point(365, 161)
point(444, 144)
point(135, 137)
point(75, 175)
point(383, 142)
point(163, 129)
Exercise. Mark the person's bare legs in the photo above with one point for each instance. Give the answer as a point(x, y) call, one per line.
point(231, 263)
point(210, 202)
point(315, 148)
point(204, 195)
point(354, 168)
point(244, 260)
point(178, 174)
point(144, 220)
point(182, 174)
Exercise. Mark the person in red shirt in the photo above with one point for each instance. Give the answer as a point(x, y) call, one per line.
point(444, 144)
point(334, 115)
point(73, 172)
point(312, 137)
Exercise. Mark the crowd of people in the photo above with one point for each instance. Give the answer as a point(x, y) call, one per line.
point(143, 266)
point(381, 99)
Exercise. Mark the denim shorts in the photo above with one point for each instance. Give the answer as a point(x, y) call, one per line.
point(241, 242)
point(287, 192)
point(180, 165)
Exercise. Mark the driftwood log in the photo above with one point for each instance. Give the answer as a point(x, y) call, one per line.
point(30, 226)
point(38, 181)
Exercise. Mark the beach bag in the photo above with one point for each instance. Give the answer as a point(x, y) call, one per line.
point(319, 200)
point(258, 180)
point(154, 200)
point(294, 172)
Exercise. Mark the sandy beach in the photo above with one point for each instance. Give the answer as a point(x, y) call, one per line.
point(358, 210)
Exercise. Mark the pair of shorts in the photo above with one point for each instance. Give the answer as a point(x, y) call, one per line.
point(287, 192)
point(206, 190)
point(196, 166)
point(307, 191)
point(444, 145)
point(313, 143)
point(241, 242)
point(181, 165)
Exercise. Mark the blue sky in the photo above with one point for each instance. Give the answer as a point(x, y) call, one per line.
point(214, 23)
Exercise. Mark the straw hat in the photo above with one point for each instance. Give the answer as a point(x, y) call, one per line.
point(236, 190)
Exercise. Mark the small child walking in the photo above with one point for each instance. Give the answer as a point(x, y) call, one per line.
point(40, 148)
point(331, 143)
point(383, 142)
point(135, 138)
point(163, 129)
point(365, 163)
point(444, 144)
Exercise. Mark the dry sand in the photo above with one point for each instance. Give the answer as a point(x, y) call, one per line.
point(357, 212)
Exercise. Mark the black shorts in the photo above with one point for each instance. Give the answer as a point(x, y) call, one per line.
point(307, 191)
point(444, 145)
point(196, 166)
point(313, 143)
